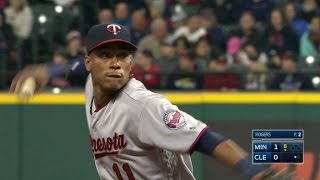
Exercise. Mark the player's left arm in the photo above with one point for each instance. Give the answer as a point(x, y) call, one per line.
point(227, 152)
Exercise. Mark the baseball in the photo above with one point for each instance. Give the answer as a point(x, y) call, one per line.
point(27, 88)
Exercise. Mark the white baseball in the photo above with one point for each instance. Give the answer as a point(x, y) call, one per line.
point(27, 88)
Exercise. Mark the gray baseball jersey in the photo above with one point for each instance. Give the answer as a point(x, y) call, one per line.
point(141, 135)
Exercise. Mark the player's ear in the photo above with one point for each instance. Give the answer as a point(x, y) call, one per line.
point(131, 59)
point(88, 62)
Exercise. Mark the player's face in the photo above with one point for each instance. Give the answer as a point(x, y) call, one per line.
point(110, 66)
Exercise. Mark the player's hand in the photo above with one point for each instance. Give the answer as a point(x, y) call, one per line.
point(40, 73)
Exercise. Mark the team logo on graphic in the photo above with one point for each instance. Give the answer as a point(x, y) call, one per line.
point(174, 119)
point(113, 28)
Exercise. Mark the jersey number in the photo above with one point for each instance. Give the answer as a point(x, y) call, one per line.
point(126, 169)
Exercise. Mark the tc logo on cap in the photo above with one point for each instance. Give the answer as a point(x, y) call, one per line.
point(114, 28)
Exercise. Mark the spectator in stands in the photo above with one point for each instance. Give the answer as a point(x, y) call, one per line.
point(156, 9)
point(259, 8)
point(274, 60)
point(309, 8)
point(58, 68)
point(219, 63)
point(299, 25)
point(216, 35)
point(178, 17)
point(310, 41)
point(105, 16)
point(233, 48)
point(289, 79)
point(121, 14)
point(250, 57)
point(152, 41)
point(182, 45)
point(279, 35)
point(186, 75)
point(75, 48)
point(223, 9)
point(19, 16)
point(145, 70)
point(202, 54)
point(168, 61)
point(139, 27)
point(75, 55)
point(247, 30)
point(169, 56)
point(193, 31)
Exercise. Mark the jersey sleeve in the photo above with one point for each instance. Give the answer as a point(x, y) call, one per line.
point(164, 126)
point(88, 95)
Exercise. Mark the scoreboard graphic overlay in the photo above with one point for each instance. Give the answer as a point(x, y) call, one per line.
point(277, 146)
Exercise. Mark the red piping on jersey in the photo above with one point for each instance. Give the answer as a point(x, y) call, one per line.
point(97, 107)
point(197, 139)
point(100, 155)
point(91, 106)
point(101, 106)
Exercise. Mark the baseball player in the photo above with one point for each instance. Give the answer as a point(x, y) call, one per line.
point(136, 133)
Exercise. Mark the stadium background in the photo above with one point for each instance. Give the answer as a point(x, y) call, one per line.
point(48, 138)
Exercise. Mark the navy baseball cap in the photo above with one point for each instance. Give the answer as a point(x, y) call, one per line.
point(106, 33)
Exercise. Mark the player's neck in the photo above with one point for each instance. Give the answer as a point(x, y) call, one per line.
point(102, 97)
point(100, 102)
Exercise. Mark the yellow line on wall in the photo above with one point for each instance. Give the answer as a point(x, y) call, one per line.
point(243, 98)
point(72, 98)
point(182, 98)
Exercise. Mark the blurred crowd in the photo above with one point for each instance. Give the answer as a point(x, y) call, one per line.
point(252, 45)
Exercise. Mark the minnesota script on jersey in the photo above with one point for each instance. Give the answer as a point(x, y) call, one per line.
point(141, 135)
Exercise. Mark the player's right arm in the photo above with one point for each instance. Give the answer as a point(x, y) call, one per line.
point(40, 72)
point(43, 72)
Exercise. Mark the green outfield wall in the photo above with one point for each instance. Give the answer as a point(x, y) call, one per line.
point(48, 137)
